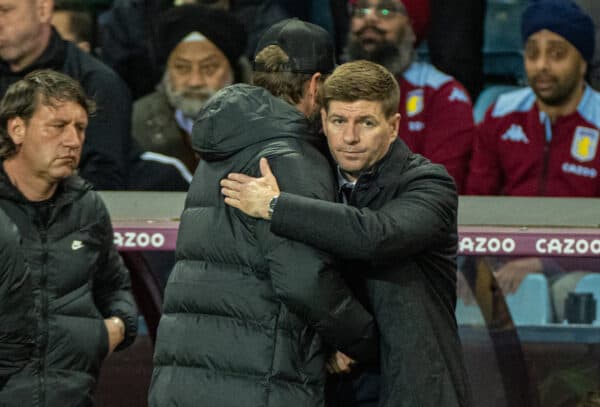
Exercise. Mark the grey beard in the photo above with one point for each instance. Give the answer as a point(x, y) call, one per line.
point(396, 58)
point(189, 106)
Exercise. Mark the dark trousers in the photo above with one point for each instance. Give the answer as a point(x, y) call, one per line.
point(354, 390)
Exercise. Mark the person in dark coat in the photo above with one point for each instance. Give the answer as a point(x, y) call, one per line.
point(250, 318)
point(83, 305)
point(396, 231)
point(126, 34)
point(17, 322)
point(28, 42)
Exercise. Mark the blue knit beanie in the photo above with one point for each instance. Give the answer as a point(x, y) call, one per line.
point(564, 18)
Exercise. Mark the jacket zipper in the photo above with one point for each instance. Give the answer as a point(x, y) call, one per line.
point(547, 140)
point(544, 177)
point(43, 315)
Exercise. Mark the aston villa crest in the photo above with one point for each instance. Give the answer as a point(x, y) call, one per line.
point(585, 144)
point(414, 102)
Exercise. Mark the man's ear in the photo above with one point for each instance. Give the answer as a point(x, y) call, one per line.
point(45, 9)
point(395, 124)
point(584, 68)
point(324, 120)
point(16, 130)
point(313, 88)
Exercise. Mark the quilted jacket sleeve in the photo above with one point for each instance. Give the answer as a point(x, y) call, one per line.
point(112, 286)
point(419, 214)
point(17, 320)
point(305, 279)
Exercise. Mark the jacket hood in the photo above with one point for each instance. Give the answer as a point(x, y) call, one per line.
point(242, 115)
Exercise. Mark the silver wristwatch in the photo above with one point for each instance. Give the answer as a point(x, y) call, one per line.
point(272, 205)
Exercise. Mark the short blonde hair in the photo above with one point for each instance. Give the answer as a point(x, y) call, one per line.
point(362, 80)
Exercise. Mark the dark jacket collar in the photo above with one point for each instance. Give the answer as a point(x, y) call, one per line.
point(68, 189)
point(392, 161)
point(391, 165)
point(53, 57)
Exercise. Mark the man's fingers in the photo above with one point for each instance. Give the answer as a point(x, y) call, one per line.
point(506, 285)
point(235, 203)
point(265, 169)
point(331, 367)
point(342, 362)
point(513, 285)
point(230, 192)
point(230, 184)
point(241, 178)
point(501, 281)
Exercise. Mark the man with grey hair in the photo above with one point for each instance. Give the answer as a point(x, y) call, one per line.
point(83, 305)
point(201, 58)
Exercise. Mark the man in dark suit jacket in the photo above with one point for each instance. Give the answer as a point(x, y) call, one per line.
point(396, 231)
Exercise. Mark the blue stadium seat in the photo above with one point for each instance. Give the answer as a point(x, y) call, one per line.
point(529, 305)
point(468, 314)
point(487, 97)
point(591, 284)
point(502, 44)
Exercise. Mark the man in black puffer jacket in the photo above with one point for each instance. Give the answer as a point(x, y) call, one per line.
point(80, 288)
point(17, 323)
point(249, 317)
point(29, 43)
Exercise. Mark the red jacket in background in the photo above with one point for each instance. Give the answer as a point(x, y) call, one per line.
point(419, 13)
point(437, 118)
point(518, 152)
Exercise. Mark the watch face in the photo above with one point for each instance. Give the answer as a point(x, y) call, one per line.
point(272, 204)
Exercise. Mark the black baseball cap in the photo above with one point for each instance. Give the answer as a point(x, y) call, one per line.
point(309, 47)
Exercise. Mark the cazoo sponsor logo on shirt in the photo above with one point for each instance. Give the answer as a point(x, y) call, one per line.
point(139, 240)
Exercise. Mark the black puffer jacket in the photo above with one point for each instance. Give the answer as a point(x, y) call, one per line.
point(246, 312)
point(17, 323)
point(78, 279)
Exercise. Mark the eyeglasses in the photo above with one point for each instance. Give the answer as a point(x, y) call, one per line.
point(380, 11)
